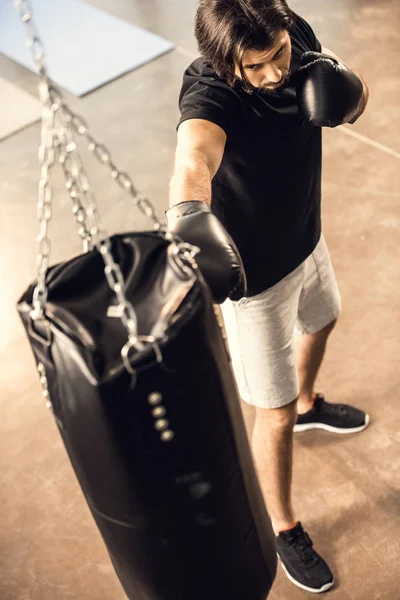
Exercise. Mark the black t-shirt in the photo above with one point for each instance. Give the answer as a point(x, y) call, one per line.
point(267, 192)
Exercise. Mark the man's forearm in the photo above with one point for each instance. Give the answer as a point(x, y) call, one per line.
point(191, 181)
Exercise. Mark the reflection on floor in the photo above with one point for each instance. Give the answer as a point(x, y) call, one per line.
point(346, 489)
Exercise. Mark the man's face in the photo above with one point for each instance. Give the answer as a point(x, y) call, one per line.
point(267, 70)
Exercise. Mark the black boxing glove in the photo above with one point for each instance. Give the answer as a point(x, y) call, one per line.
point(328, 93)
point(219, 259)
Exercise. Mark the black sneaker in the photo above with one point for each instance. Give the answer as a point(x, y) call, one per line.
point(338, 418)
point(302, 565)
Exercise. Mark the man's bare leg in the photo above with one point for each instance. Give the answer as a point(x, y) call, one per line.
point(310, 352)
point(273, 449)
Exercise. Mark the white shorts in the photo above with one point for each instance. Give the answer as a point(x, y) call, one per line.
point(261, 330)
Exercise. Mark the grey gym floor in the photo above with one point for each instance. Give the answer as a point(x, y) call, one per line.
point(346, 488)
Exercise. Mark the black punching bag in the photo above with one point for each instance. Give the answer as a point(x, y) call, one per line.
point(160, 452)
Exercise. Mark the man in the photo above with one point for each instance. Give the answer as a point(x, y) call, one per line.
point(249, 146)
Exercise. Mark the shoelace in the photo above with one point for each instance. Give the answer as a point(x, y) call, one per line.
point(302, 544)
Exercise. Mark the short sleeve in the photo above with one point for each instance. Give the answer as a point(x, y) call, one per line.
point(216, 103)
point(308, 37)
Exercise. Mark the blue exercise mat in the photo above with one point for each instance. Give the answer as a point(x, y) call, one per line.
point(85, 47)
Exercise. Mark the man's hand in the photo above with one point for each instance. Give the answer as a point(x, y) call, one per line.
point(328, 92)
point(219, 259)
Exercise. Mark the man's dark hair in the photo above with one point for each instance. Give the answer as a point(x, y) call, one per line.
point(226, 29)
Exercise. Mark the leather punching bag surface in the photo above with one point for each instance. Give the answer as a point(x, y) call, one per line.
point(161, 454)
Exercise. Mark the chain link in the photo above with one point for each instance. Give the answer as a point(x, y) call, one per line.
point(59, 124)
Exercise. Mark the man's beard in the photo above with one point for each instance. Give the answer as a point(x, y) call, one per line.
point(275, 91)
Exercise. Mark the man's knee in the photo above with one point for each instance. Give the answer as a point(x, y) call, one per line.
point(282, 417)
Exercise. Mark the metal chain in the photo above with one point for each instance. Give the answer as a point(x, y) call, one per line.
point(59, 124)
point(78, 124)
point(47, 151)
point(34, 43)
point(103, 155)
point(77, 186)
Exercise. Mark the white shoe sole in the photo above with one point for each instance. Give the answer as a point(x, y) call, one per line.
point(324, 588)
point(308, 426)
